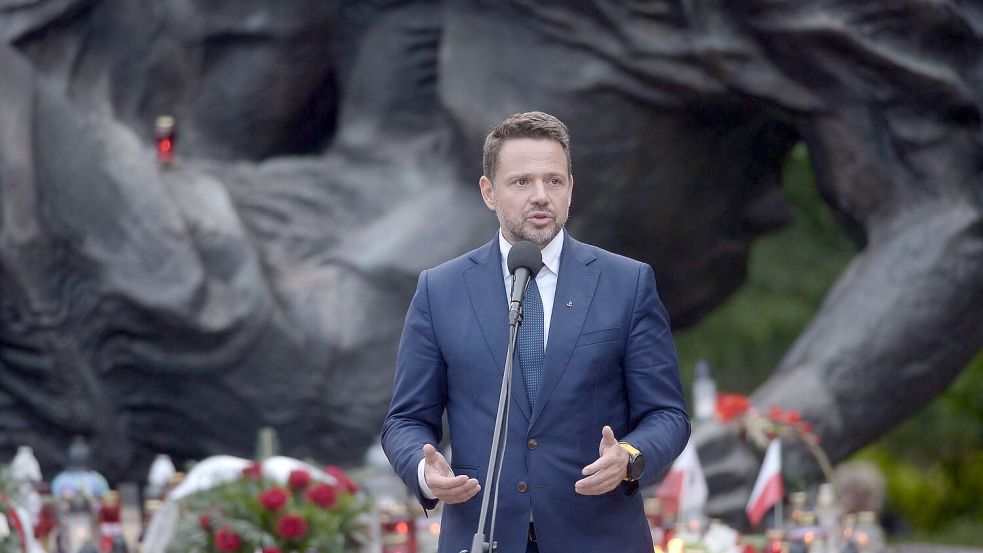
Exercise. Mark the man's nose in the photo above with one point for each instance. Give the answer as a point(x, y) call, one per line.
point(538, 195)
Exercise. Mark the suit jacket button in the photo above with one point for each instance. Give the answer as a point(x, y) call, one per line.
point(532, 443)
point(522, 487)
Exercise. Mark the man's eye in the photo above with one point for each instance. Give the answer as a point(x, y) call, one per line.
point(521, 182)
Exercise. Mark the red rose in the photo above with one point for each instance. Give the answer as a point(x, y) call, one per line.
point(273, 499)
point(205, 522)
point(731, 406)
point(344, 481)
point(227, 541)
point(271, 550)
point(254, 471)
point(323, 495)
point(291, 527)
point(299, 479)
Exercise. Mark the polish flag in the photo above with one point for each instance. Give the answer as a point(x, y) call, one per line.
point(685, 485)
point(768, 488)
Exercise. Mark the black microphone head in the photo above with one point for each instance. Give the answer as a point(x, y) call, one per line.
point(525, 254)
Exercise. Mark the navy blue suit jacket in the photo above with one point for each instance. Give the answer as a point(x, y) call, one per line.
point(610, 360)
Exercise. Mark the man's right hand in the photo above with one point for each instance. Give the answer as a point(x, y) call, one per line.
point(447, 487)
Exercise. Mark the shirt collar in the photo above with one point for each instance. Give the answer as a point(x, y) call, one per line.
point(551, 253)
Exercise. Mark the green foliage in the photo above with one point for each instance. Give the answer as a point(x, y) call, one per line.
point(788, 274)
point(934, 464)
point(934, 461)
point(960, 532)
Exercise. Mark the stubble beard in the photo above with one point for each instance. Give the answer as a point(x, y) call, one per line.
point(540, 236)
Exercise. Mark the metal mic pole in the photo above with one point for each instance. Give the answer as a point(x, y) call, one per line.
point(478, 543)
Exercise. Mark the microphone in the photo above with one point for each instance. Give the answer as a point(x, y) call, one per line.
point(524, 262)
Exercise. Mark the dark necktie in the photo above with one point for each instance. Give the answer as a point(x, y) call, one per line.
point(530, 342)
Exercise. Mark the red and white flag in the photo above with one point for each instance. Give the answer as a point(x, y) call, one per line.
point(684, 485)
point(768, 488)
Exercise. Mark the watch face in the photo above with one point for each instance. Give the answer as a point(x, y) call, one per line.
point(636, 465)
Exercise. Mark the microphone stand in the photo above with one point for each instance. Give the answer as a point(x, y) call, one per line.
point(478, 543)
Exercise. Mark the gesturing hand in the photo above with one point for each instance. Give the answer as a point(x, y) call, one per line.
point(447, 487)
point(607, 472)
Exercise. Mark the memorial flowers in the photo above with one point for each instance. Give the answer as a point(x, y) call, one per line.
point(760, 427)
point(254, 514)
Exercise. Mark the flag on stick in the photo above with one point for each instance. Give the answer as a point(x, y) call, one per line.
point(685, 485)
point(768, 488)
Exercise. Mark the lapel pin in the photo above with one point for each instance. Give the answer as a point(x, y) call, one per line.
point(569, 303)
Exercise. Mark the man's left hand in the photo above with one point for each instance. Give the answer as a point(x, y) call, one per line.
point(608, 471)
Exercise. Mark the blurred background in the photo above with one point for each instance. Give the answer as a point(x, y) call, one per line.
point(213, 214)
point(932, 461)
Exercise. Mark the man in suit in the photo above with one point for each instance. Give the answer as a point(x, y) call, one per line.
point(597, 404)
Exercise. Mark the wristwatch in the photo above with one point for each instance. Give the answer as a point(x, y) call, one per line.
point(636, 463)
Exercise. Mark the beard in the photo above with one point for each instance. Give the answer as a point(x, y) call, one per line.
point(518, 229)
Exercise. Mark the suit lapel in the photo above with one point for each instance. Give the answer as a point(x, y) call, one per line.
point(486, 289)
point(575, 287)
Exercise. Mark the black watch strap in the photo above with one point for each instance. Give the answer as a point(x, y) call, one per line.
point(636, 463)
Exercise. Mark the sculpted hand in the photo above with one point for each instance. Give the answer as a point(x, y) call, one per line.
point(607, 472)
point(447, 487)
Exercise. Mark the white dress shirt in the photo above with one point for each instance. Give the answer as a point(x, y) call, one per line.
point(546, 281)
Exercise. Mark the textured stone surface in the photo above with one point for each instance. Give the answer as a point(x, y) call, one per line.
point(328, 151)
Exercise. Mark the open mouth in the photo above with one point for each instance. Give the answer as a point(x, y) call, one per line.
point(540, 217)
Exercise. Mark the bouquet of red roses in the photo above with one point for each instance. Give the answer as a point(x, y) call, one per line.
point(254, 514)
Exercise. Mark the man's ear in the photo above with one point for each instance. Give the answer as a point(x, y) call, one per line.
point(487, 191)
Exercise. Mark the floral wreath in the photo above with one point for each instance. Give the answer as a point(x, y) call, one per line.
point(762, 427)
